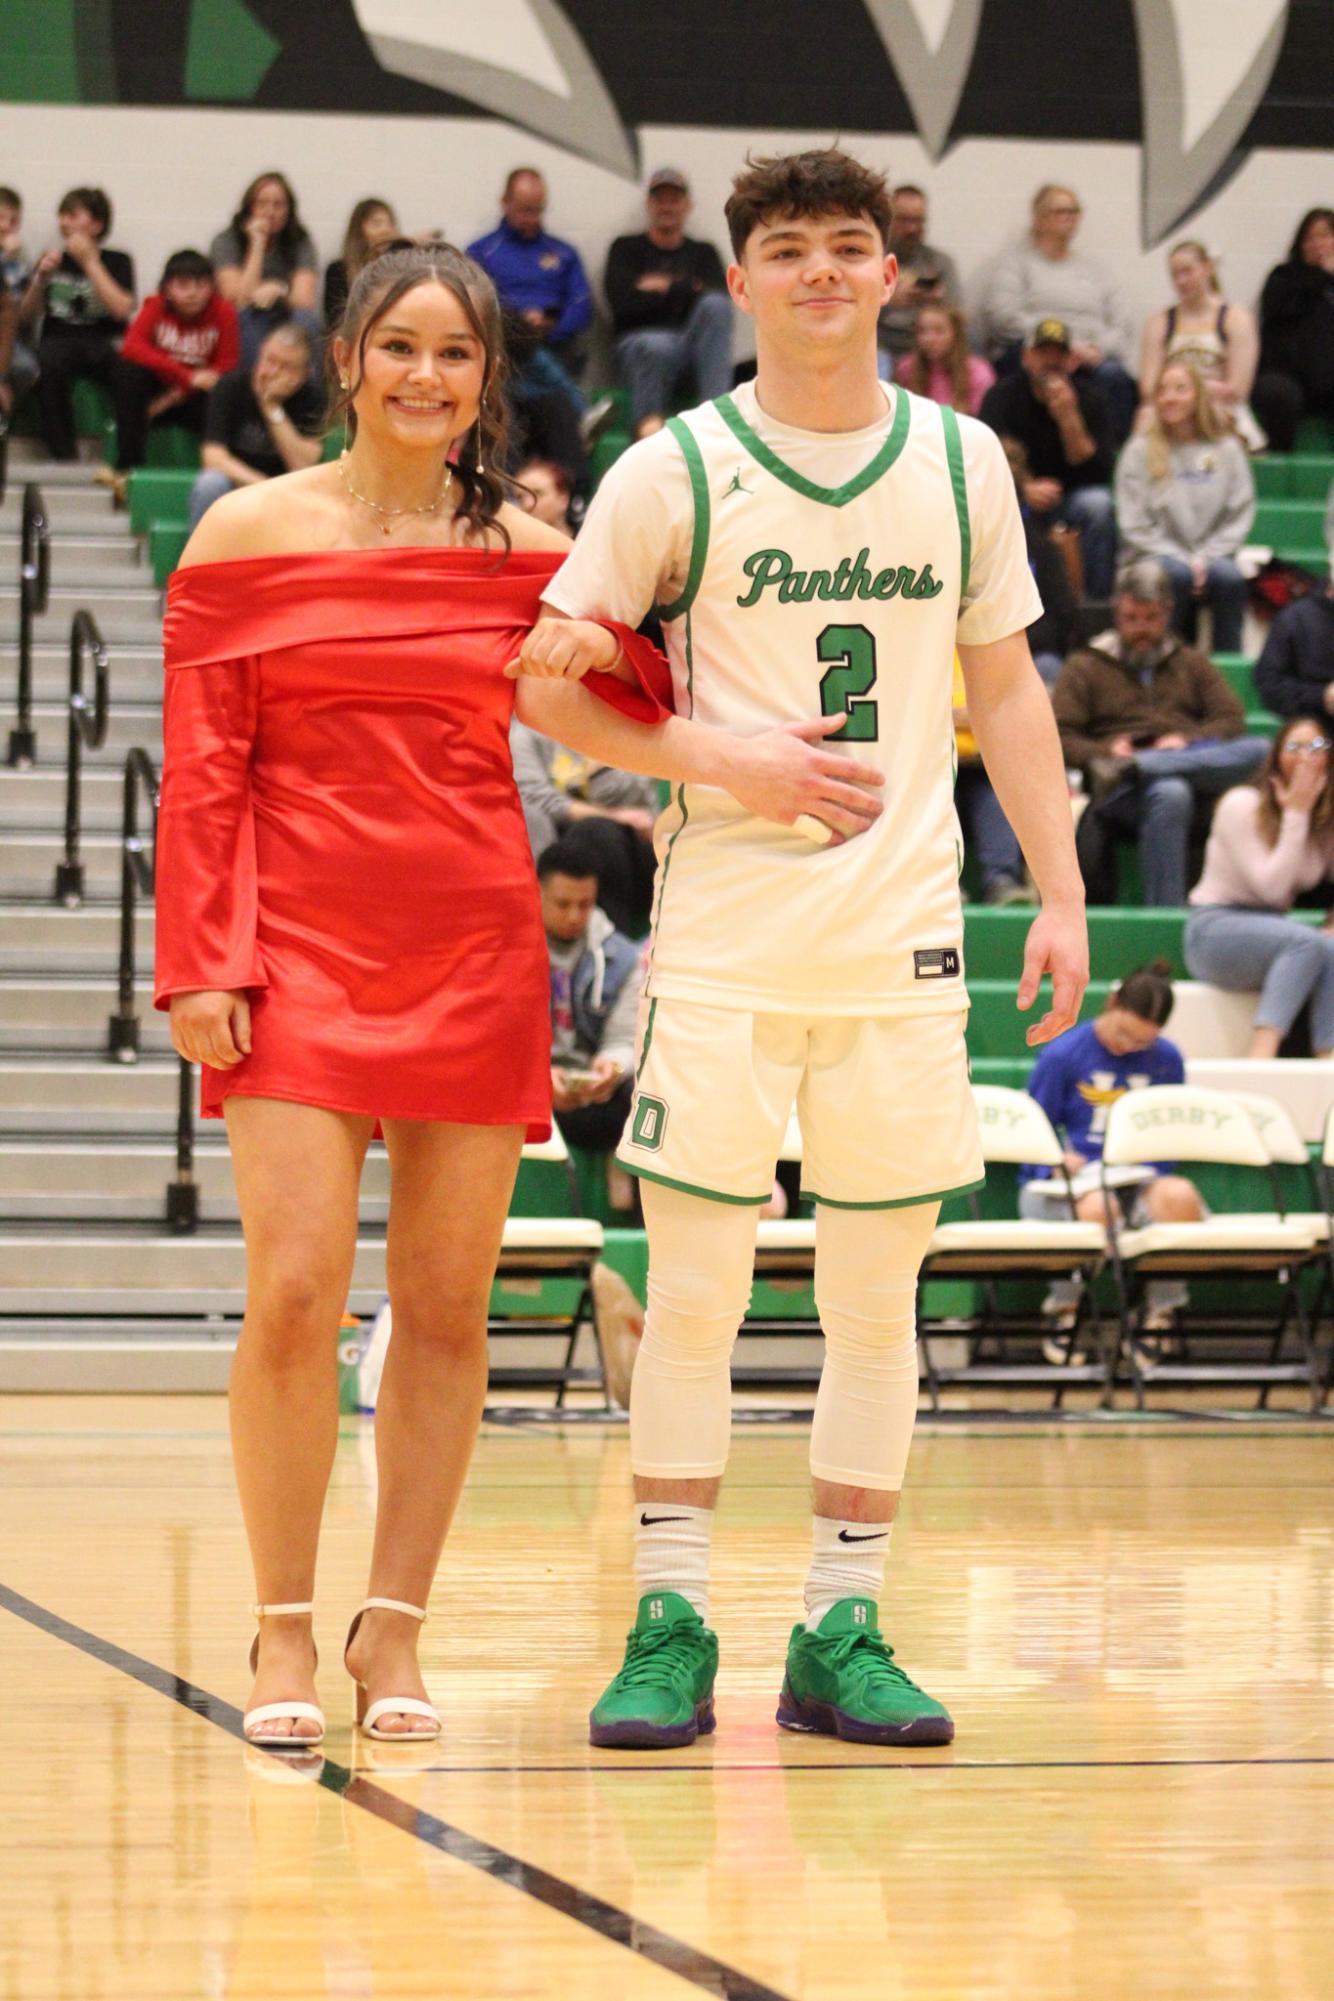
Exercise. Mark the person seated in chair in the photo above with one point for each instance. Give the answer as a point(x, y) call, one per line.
point(1157, 729)
point(594, 1006)
point(1076, 1080)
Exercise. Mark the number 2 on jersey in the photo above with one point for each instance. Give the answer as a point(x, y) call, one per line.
point(851, 677)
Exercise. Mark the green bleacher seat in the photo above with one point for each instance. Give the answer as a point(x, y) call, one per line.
point(1296, 476)
point(997, 1029)
point(1012, 1071)
point(172, 447)
point(93, 418)
point(1239, 669)
point(159, 493)
point(166, 540)
point(1119, 940)
point(1262, 722)
point(1315, 435)
point(1287, 526)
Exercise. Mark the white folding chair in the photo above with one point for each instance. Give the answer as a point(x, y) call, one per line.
point(1186, 1122)
point(541, 1259)
point(1017, 1132)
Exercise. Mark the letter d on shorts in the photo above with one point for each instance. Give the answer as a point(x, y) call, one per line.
point(650, 1123)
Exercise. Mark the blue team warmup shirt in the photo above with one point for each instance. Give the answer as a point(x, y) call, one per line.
point(539, 273)
point(1077, 1080)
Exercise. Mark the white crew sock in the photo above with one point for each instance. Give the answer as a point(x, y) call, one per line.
point(672, 1551)
point(847, 1561)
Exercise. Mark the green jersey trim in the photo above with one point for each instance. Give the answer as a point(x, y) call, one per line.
point(954, 458)
point(692, 1188)
point(681, 807)
point(648, 1039)
point(699, 541)
point(902, 1202)
point(829, 496)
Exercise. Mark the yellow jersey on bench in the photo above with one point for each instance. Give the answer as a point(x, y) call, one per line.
point(800, 574)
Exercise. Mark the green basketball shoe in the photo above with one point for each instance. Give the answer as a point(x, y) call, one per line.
point(663, 1695)
point(843, 1681)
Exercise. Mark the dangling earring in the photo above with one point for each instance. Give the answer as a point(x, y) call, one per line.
point(481, 469)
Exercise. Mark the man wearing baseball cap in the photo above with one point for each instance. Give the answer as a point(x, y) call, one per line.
point(670, 311)
point(1061, 421)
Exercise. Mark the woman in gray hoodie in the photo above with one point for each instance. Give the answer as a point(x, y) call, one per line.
point(1184, 494)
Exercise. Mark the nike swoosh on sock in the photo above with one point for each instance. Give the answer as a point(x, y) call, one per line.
point(652, 1521)
point(875, 1536)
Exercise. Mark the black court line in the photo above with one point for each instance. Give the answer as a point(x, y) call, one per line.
point(607, 1920)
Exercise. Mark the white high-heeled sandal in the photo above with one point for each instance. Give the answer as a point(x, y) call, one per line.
point(270, 1712)
point(390, 1705)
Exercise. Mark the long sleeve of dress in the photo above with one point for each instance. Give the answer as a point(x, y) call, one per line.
point(205, 869)
point(649, 698)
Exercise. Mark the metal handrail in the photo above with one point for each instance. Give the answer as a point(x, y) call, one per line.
point(34, 595)
point(136, 874)
point(87, 726)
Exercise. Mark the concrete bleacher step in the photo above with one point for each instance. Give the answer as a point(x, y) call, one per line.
point(126, 614)
point(143, 1270)
point(160, 1353)
point(36, 799)
point(81, 1180)
point(81, 557)
point(135, 673)
point(38, 936)
point(129, 723)
point(28, 863)
point(84, 509)
point(69, 1094)
point(69, 1017)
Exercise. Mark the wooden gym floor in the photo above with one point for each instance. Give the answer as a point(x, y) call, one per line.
point(1133, 1623)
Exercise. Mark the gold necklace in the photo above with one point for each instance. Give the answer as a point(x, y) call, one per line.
point(388, 515)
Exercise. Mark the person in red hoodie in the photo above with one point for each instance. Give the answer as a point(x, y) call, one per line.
point(180, 343)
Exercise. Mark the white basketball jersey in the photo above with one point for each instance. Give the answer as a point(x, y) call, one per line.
point(800, 600)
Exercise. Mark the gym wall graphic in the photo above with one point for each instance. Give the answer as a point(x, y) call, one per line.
point(1197, 84)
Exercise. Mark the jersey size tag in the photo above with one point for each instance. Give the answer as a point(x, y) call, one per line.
point(941, 964)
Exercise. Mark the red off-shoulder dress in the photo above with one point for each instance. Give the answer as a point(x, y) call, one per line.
point(341, 836)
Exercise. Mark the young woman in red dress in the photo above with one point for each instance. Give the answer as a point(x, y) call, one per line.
point(348, 927)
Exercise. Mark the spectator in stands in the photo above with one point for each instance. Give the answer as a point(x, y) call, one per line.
point(1296, 376)
point(926, 275)
point(670, 310)
point(1157, 729)
point(181, 342)
point(261, 421)
point(543, 488)
point(1050, 637)
point(18, 363)
point(1076, 1080)
point(371, 225)
point(83, 295)
point(1295, 672)
point(1184, 493)
point(939, 364)
point(1217, 338)
point(266, 266)
point(537, 276)
point(987, 833)
point(1043, 278)
point(594, 1005)
point(1270, 842)
point(610, 813)
point(1061, 422)
point(543, 288)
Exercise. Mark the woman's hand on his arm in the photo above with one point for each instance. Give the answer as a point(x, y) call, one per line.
point(212, 1028)
point(565, 649)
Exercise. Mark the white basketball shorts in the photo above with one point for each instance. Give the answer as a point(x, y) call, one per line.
point(883, 1102)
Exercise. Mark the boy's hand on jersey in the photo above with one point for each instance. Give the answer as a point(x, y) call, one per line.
point(1058, 944)
point(786, 774)
point(565, 649)
point(212, 1028)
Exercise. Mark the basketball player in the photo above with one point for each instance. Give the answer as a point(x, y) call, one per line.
point(816, 542)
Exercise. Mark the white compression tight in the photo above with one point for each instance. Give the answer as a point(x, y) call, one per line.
point(701, 1262)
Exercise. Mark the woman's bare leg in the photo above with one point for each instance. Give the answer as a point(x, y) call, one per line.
point(297, 1171)
point(450, 1194)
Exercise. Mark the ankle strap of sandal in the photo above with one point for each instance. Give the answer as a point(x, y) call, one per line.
point(394, 1605)
point(281, 1611)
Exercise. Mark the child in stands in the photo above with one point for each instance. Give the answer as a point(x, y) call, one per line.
point(1076, 1080)
point(181, 342)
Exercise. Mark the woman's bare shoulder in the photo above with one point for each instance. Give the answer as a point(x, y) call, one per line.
point(527, 532)
point(275, 517)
